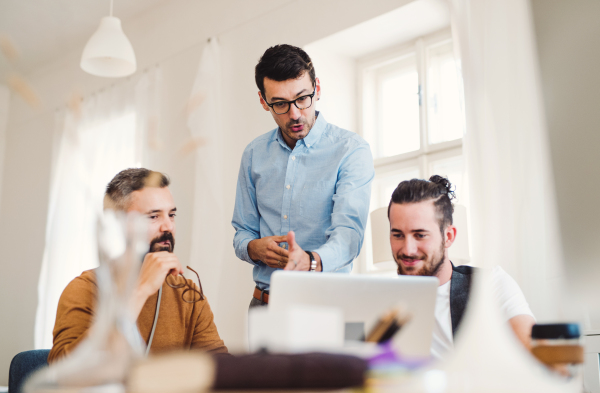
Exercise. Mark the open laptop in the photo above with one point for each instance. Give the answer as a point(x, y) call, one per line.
point(363, 299)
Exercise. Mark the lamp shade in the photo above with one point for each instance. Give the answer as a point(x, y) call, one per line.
point(108, 52)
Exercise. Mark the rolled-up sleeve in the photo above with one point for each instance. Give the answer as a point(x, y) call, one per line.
point(350, 210)
point(246, 219)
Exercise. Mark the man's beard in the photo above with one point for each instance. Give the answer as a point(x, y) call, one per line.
point(430, 266)
point(156, 247)
point(307, 127)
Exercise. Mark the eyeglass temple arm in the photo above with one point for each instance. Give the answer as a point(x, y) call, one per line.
point(199, 282)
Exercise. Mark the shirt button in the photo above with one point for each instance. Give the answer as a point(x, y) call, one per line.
point(288, 186)
point(293, 158)
point(284, 246)
point(285, 217)
point(308, 145)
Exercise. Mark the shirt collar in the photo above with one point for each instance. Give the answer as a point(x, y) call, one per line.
point(279, 138)
point(313, 136)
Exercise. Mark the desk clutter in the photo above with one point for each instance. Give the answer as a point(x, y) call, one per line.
point(558, 346)
point(387, 326)
point(196, 372)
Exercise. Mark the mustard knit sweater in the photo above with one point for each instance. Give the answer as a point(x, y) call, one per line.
point(180, 325)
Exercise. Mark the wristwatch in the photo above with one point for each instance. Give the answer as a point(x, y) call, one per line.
point(313, 262)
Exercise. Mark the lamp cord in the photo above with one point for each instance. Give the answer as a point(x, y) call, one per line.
point(111, 7)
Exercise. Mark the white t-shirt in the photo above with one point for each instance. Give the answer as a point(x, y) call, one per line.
point(506, 290)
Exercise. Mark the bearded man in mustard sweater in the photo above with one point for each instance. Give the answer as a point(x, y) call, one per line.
point(183, 324)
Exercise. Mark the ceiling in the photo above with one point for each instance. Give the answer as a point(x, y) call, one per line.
point(417, 18)
point(42, 30)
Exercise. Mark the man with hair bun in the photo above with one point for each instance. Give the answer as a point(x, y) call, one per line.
point(304, 188)
point(421, 232)
point(186, 320)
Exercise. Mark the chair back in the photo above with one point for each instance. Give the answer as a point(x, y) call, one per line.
point(23, 365)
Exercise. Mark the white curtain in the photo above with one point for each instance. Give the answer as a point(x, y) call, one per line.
point(513, 212)
point(99, 136)
point(209, 224)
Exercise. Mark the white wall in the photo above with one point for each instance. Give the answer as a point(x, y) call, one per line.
point(568, 38)
point(337, 74)
point(4, 105)
point(173, 35)
point(23, 209)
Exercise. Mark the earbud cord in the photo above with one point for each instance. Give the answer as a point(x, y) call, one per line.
point(155, 320)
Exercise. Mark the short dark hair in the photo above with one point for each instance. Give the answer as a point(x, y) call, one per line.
point(130, 180)
point(283, 62)
point(437, 188)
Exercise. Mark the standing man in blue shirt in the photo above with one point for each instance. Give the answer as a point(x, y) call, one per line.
point(304, 188)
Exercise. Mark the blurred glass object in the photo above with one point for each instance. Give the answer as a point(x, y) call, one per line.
point(444, 95)
point(104, 358)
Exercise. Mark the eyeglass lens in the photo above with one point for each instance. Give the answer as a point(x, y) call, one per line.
point(192, 295)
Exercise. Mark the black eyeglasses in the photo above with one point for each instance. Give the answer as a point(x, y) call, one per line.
point(191, 294)
point(283, 107)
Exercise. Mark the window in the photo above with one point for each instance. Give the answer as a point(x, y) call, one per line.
point(411, 113)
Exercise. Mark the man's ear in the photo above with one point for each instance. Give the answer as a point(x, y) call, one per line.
point(449, 235)
point(262, 101)
point(318, 85)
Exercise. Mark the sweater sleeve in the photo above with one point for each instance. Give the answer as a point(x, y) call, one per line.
point(206, 337)
point(74, 315)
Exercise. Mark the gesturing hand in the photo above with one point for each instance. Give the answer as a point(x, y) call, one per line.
point(268, 251)
point(298, 258)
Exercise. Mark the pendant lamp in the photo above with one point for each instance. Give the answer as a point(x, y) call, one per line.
point(108, 52)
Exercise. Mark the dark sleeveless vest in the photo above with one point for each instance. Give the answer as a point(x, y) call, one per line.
point(460, 287)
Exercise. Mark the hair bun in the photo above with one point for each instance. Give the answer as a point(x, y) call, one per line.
point(445, 183)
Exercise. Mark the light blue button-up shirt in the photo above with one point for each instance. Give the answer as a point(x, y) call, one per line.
point(321, 190)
